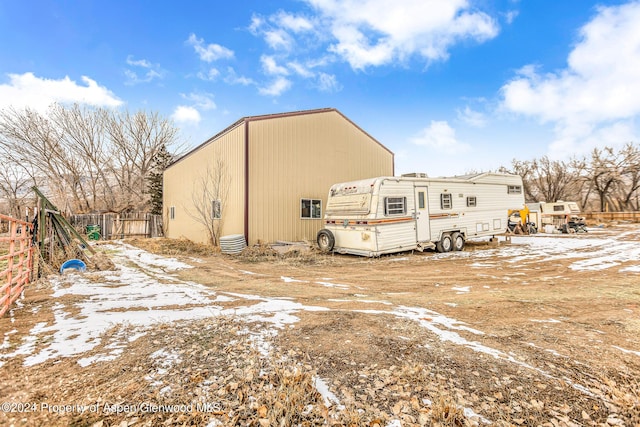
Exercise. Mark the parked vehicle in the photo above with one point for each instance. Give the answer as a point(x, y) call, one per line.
point(561, 216)
point(383, 215)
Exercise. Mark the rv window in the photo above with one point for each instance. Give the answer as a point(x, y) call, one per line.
point(216, 209)
point(514, 189)
point(395, 205)
point(471, 201)
point(558, 208)
point(445, 201)
point(421, 203)
point(310, 209)
point(172, 212)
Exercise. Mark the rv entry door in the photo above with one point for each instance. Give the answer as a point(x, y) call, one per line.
point(423, 233)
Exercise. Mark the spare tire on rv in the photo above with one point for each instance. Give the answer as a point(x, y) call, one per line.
point(325, 240)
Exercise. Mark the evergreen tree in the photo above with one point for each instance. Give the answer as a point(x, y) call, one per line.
point(154, 181)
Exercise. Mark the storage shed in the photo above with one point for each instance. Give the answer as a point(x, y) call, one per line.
point(267, 177)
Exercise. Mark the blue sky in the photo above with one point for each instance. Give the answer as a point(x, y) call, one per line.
point(450, 86)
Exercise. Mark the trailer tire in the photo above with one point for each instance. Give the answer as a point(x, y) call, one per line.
point(457, 241)
point(445, 244)
point(325, 239)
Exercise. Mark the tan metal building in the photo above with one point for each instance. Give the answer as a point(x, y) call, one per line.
point(270, 174)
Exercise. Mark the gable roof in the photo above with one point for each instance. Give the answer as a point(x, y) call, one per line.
point(247, 119)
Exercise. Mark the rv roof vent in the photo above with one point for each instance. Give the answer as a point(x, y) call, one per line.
point(415, 175)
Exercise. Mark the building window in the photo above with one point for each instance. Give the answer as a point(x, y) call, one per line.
point(445, 201)
point(310, 209)
point(471, 201)
point(395, 205)
point(514, 189)
point(216, 209)
point(172, 212)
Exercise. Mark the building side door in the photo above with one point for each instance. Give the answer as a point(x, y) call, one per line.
point(423, 232)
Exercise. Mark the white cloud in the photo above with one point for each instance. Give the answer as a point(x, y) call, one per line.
point(471, 117)
point(151, 71)
point(441, 137)
point(328, 83)
point(186, 115)
point(270, 67)
point(289, 21)
point(511, 16)
point(379, 32)
point(232, 78)
point(27, 90)
point(597, 95)
point(138, 63)
point(210, 75)
point(276, 88)
point(278, 39)
point(211, 52)
point(203, 101)
point(256, 23)
point(301, 70)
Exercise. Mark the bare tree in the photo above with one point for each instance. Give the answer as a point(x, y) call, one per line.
point(209, 197)
point(627, 192)
point(87, 159)
point(547, 180)
point(604, 174)
point(136, 139)
point(15, 184)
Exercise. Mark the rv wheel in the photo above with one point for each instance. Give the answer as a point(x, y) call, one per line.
point(445, 244)
point(457, 240)
point(325, 240)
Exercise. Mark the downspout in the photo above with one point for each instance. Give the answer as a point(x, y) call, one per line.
point(246, 181)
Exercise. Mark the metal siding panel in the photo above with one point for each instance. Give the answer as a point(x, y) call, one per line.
point(301, 157)
point(180, 181)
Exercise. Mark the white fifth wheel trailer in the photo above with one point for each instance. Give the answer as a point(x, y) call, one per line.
point(383, 215)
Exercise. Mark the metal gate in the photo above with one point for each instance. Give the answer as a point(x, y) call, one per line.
point(16, 260)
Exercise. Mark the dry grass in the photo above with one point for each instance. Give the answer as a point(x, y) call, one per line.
point(173, 247)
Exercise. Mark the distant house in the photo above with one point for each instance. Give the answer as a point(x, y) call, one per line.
point(270, 176)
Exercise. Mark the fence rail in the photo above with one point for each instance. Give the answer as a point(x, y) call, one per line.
point(120, 226)
point(612, 216)
point(16, 260)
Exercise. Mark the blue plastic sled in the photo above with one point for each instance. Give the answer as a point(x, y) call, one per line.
point(75, 264)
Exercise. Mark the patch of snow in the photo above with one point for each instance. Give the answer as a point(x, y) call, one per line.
point(329, 398)
point(461, 289)
point(223, 298)
point(292, 280)
point(139, 297)
point(451, 304)
point(470, 413)
point(333, 285)
point(593, 253)
point(276, 311)
point(545, 321)
point(637, 353)
point(370, 301)
point(147, 260)
point(397, 259)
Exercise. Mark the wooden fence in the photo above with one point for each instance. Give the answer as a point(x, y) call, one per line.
point(119, 226)
point(612, 216)
point(16, 260)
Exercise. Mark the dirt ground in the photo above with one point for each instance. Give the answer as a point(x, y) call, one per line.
point(470, 338)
